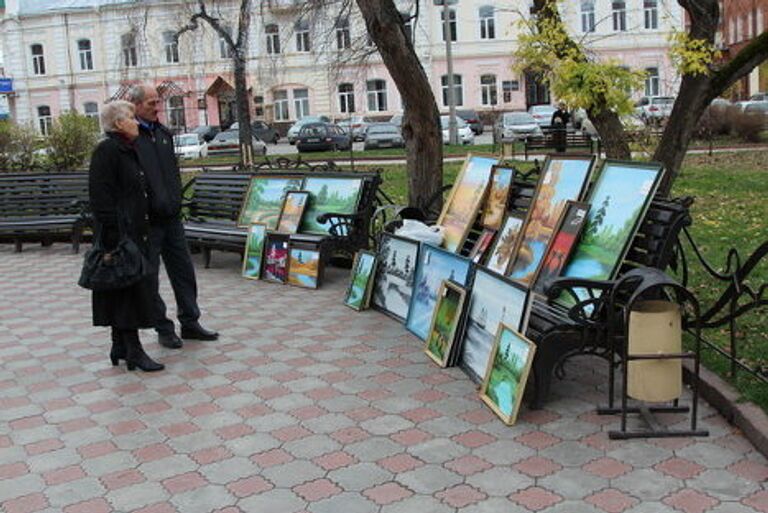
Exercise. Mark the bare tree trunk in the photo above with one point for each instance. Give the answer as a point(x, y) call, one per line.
point(421, 119)
point(243, 111)
point(612, 136)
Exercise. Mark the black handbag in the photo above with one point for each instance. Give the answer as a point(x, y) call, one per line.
point(112, 270)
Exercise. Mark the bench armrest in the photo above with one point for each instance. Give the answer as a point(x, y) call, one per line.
point(341, 225)
point(586, 298)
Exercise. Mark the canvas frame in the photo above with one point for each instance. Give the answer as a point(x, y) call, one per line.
point(301, 214)
point(462, 292)
point(494, 246)
point(275, 236)
point(247, 195)
point(404, 240)
point(489, 194)
point(309, 205)
point(369, 282)
point(320, 264)
point(246, 252)
point(512, 418)
point(483, 243)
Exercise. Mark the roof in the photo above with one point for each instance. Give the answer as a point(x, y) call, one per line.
point(40, 6)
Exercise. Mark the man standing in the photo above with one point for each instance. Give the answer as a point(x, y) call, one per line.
point(158, 159)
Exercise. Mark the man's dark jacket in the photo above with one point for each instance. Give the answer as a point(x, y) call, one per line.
point(158, 158)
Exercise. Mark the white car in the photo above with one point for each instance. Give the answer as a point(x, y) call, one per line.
point(542, 114)
point(190, 146)
point(517, 125)
point(465, 133)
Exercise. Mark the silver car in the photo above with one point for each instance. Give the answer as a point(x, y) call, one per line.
point(517, 125)
point(228, 143)
point(383, 135)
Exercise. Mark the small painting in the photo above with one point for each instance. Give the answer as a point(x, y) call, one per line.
point(507, 373)
point(276, 258)
point(395, 273)
point(435, 265)
point(498, 194)
point(293, 209)
point(338, 195)
point(481, 246)
point(561, 246)
point(264, 199)
point(254, 251)
point(503, 249)
point(304, 266)
point(361, 281)
point(442, 332)
point(494, 300)
point(464, 201)
point(563, 178)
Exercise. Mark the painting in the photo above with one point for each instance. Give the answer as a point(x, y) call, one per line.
point(264, 199)
point(467, 194)
point(254, 251)
point(276, 258)
point(619, 200)
point(504, 246)
point(493, 300)
point(481, 245)
point(498, 194)
point(361, 282)
point(507, 373)
point(562, 179)
point(293, 209)
point(338, 195)
point(395, 272)
point(304, 266)
point(562, 244)
point(434, 265)
point(442, 331)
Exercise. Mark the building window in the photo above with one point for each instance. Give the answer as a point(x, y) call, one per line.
point(171, 43)
point(91, 110)
point(488, 91)
point(130, 53)
point(651, 12)
point(458, 95)
point(85, 54)
point(587, 15)
point(652, 81)
point(38, 60)
point(175, 113)
point(487, 23)
point(343, 40)
point(301, 102)
point(281, 105)
point(273, 39)
point(377, 95)
point(44, 119)
point(507, 87)
point(302, 36)
point(451, 23)
point(619, 16)
point(759, 21)
point(346, 98)
point(407, 25)
point(225, 51)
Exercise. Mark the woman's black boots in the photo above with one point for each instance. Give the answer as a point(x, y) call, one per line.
point(135, 357)
point(117, 352)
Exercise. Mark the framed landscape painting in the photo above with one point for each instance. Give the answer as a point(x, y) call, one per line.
point(254, 251)
point(498, 194)
point(445, 322)
point(338, 195)
point(464, 201)
point(276, 258)
point(395, 272)
point(562, 244)
point(435, 265)
point(304, 266)
point(494, 300)
point(361, 281)
point(507, 373)
point(264, 199)
point(293, 209)
point(562, 179)
point(503, 248)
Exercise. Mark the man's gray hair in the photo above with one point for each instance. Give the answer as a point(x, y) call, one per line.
point(116, 111)
point(136, 94)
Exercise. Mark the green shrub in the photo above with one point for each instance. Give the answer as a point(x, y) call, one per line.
point(17, 146)
point(71, 141)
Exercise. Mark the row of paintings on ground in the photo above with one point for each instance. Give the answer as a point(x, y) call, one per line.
point(277, 257)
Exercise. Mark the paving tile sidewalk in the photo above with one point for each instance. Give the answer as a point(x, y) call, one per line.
point(307, 406)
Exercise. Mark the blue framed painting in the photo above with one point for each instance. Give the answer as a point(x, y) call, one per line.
point(434, 265)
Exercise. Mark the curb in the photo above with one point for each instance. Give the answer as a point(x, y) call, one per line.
point(748, 417)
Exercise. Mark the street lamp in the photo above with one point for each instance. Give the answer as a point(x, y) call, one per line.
point(453, 136)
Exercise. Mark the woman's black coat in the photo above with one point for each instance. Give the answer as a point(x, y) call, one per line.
point(116, 189)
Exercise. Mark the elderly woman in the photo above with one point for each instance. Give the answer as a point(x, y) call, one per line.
point(118, 197)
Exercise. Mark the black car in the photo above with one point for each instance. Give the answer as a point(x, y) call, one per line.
point(472, 119)
point(322, 137)
point(206, 133)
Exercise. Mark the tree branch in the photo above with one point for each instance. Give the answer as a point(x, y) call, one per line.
point(742, 64)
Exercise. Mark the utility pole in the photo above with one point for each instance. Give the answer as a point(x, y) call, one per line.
point(453, 136)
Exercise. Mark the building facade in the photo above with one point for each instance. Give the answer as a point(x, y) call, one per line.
point(77, 54)
point(740, 22)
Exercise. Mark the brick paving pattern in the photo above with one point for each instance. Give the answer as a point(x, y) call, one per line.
point(305, 405)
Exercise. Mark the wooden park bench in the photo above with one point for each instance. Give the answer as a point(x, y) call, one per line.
point(43, 207)
point(550, 141)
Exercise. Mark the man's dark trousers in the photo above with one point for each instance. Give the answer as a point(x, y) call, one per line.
point(167, 240)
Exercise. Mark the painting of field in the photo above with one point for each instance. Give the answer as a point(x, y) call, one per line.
point(447, 315)
point(254, 251)
point(338, 195)
point(304, 267)
point(264, 200)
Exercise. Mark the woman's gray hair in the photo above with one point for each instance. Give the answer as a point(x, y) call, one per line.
point(115, 111)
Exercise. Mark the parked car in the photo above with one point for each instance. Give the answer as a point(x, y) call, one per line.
point(228, 143)
point(759, 97)
point(516, 124)
point(207, 132)
point(542, 114)
point(190, 146)
point(355, 125)
point(322, 137)
point(465, 133)
point(383, 135)
point(472, 119)
point(654, 109)
point(293, 132)
point(759, 108)
point(396, 120)
point(261, 130)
